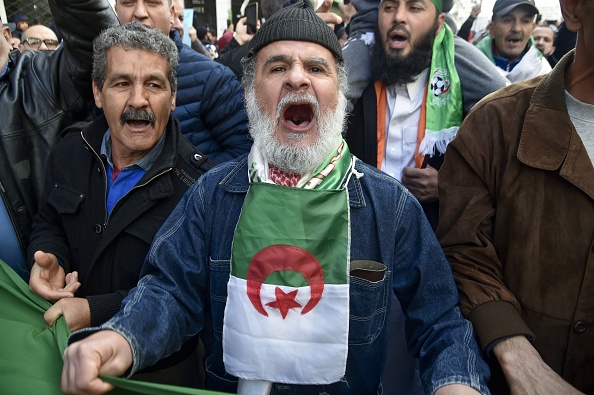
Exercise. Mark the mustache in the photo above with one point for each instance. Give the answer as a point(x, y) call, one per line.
point(131, 114)
point(294, 97)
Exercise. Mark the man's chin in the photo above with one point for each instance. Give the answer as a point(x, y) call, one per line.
point(397, 54)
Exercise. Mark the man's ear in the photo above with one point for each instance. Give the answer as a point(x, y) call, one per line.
point(97, 95)
point(172, 107)
point(6, 33)
point(440, 22)
point(490, 28)
point(571, 10)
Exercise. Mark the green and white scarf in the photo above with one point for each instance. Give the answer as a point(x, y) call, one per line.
point(444, 106)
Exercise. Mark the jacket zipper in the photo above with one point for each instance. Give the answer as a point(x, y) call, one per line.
point(105, 179)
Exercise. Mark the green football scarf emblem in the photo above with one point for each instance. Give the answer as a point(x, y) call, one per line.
point(444, 97)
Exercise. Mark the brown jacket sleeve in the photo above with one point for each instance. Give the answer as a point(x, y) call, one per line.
point(469, 183)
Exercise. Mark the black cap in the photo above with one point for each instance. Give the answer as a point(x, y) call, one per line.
point(502, 7)
point(297, 22)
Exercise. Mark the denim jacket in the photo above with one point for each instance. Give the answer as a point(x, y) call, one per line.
point(184, 286)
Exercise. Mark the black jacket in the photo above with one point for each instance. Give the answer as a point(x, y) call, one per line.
point(42, 93)
point(72, 222)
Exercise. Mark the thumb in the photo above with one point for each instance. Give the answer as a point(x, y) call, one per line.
point(44, 259)
point(53, 313)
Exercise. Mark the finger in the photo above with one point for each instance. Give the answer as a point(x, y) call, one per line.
point(325, 6)
point(53, 313)
point(411, 172)
point(49, 294)
point(72, 287)
point(330, 18)
point(71, 277)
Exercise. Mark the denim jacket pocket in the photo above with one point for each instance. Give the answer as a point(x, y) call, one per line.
point(369, 296)
point(67, 202)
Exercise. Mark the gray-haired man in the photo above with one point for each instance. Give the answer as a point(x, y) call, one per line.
point(110, 186)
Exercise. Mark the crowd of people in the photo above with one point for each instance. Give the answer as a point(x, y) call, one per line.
point(364, 203)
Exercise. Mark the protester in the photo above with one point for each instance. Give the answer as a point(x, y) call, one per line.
point(544, 40)
point(425, 81)
point(41, 93)
point(209, 102)
point(21, 21)
point(222, 259)
point(39, 38)
point(194, 42)
point(465, 30)
point(94, 228)
point(518, 186)
point(564, 41)
point(510, 46)
point(418, 66)
point(236, 49)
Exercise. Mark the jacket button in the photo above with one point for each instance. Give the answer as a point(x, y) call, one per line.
point(580, 327)
point(98, 229)
point(197, 157)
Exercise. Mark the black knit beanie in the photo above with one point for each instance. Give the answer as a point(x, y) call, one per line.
point(297, 22)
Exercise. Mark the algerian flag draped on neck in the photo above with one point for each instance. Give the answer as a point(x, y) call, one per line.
point(287, 313)
point(444, 106)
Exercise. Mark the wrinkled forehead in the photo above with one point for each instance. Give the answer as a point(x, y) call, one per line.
point(286, 52)
point(40, 32)
point(543, 31)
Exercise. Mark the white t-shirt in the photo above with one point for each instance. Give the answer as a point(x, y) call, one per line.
point(582, 117)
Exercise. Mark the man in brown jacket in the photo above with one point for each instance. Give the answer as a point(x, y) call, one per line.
point(517, 222)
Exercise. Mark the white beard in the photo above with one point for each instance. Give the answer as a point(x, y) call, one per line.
point(295, 158)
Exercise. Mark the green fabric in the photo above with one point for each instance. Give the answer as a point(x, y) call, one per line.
point(444, 111)
point(31, 353)
point(486, 47)
point(316, 220)
point(444, 105)
point(438, 5)
point(132, 387)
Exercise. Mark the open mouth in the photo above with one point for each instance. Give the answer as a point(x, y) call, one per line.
point(299, 115)
point(137, 123)
point(514, 40)
point(398, 36)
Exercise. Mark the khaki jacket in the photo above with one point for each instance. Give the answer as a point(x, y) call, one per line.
point(517, 224)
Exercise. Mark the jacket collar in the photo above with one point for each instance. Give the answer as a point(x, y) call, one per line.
point(548, 139)
point(236, 181)
point(174, 35)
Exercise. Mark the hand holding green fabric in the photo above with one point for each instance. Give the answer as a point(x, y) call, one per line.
point(31, 353)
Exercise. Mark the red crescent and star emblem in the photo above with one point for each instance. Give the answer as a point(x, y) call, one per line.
point(280, 258)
